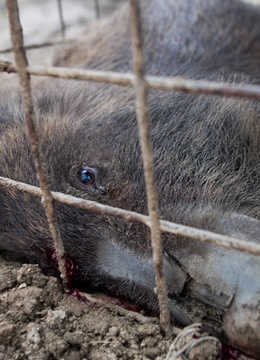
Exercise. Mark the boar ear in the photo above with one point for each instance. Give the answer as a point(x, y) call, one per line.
point(240, 226)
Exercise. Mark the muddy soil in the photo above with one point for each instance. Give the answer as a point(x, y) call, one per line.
point(38, 320)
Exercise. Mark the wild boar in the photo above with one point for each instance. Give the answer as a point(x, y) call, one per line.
point(207, 159)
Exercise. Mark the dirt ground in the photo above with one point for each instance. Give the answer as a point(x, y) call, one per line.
point(37, 319)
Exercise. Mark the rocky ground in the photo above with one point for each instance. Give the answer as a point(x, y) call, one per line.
point(38, 320)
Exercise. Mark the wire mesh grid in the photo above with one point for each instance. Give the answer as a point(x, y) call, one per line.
point(141, 83)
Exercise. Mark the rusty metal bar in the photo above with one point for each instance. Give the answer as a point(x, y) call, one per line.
point(131, 216)
point(176, 84)
point(24, 79)
point(97, 9)
point(144, 127)
point(155, 82)
point(39, 46)
point(62, 23)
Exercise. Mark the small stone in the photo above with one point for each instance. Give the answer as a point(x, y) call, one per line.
point(30, 300)
point(143, 345)
point(7, 331)
point(74, 338)
point(33, 335)
point(55, 318)
point(31, 275)
point(113, 331)
point(147, 330)
point(152, 353)
point(72, 355)
point(8, 278)
point(101, 329)
point(22, 286)
point(57, 347)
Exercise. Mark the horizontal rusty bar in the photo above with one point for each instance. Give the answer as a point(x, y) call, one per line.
point(40, 45)
point(131, 216)
point(155, 82)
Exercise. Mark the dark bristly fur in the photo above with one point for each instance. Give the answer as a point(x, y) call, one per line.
point(207, 155)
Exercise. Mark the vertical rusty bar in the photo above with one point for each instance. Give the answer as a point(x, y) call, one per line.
point(62, 22)
point(97, 9)
point(144, 126)
point(40, 164)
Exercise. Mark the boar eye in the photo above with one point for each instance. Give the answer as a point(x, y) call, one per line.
point(87, 176)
